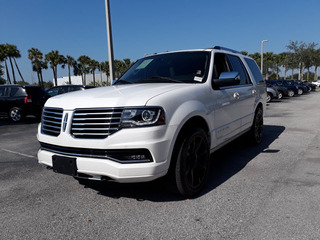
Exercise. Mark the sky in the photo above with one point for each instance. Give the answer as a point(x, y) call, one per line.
point(141, 27)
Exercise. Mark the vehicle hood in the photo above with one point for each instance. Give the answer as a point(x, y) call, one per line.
point(112, 96)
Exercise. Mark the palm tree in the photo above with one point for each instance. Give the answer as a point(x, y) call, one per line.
point(13, 53)
point(3, 58)
point(83, 67)
point(54, 58)
point(297, 48)
point(317, 64)
point(104, 67)
point(93, 65)
point(71, 63)
point(36, 56)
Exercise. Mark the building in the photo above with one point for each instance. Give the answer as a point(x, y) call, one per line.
point(101, 79)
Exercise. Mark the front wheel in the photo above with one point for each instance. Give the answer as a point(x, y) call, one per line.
point(280, 96)
point(300, 91)
point(191, 166)
point(16, 114)
point(269, 97)
point(290, 93)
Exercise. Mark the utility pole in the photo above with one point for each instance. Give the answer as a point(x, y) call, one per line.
point(262, 42)
point(110, 45)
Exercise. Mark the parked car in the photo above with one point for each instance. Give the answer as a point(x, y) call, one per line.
point(18, 101)
point(66, 88)
point(282, 91)
point(317, 83)
point(292, 89)
point(311, 86)
point(272, 93)
point(165, 115)
point(301, 88)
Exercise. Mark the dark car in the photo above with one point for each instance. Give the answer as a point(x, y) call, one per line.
point(311, 86)
point(19, 101)
point(282, 91)
point(301, 88)
point(66, 88)
point(292, 88)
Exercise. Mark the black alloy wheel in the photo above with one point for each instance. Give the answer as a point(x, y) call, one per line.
point(256, 130)
point(15, 114)
point(192, 163)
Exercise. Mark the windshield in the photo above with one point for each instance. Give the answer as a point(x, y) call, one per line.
point(179, 67)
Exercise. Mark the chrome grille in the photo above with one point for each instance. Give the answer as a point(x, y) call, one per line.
point(95, 123)
point(51, 121)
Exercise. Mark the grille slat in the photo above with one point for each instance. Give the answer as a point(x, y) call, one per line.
point(51, 121)
point(95, 123)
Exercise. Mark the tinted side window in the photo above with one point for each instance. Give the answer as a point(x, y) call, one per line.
point(53, 91)
point(220, 65)
point(17, 92)
point(2, 91)
point(237, 66)
point(255, 70)
point(74, 88)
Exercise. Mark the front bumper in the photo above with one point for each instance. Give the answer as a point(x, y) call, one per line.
point(155, 140)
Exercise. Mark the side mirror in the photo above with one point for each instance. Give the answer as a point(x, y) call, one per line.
point(226, 79)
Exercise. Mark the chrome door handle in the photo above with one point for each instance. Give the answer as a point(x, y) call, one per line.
point(254, 92)
point(236, 95)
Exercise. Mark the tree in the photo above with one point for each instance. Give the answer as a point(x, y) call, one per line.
point(55, 59)
point(71, 63)
point(316, 64)
point(309, 57)
point(93, 65)
point(298, 48)
point(83, 67)
point(3, 58)
point(2, 81)
point(36, 56)
point(104, 67)
point(12, 54)
point(244, 53)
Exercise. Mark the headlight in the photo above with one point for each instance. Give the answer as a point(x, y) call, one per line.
point(142, 117)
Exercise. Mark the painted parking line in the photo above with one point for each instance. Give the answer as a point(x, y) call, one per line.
point(21, 154)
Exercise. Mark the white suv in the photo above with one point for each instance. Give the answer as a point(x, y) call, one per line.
point(165, 115)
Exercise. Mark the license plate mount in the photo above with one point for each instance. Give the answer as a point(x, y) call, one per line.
point(64, 165)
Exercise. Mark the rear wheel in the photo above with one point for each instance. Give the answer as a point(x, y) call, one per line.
point(280, 96)
point(16, 114)
point(300, 91)
point(191, 166)
point(256, 130)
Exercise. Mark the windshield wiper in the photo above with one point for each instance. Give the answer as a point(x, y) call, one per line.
point(163, 79)
point(120, 81)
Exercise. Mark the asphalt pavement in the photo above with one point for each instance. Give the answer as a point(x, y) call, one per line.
point(270, 191)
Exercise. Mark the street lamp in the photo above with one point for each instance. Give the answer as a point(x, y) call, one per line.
point(110, 45)
point(262, 42)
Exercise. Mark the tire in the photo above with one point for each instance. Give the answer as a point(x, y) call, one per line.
point(191, 162)
point(256, 131)
point(290, 93)
point(300, 91)
point(269, 97)
point(16, 114)
point(280, 96)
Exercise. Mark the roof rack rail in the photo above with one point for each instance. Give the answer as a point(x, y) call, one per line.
point(227, 49)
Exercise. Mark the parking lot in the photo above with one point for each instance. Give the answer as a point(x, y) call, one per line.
point(270, 191)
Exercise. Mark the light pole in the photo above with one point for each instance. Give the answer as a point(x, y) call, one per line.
point(110, 45)
point(262, 42)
